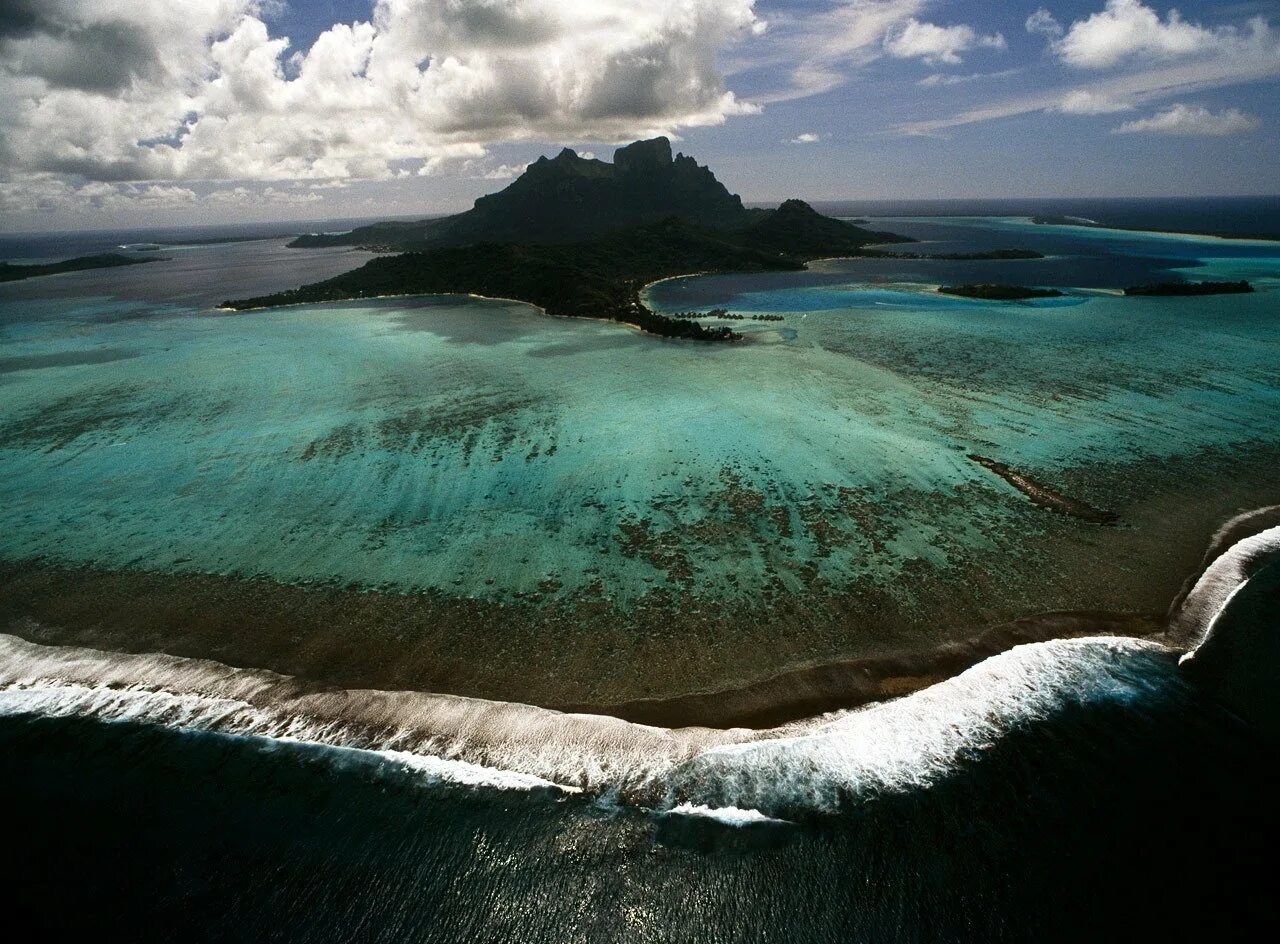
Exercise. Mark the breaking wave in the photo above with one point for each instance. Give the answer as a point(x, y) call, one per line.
point(737, 776)
point(1195, 613)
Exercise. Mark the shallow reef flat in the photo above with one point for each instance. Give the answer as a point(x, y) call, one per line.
point(469, 496)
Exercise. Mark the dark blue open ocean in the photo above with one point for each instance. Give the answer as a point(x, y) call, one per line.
point(1226, 216)
point(1093, 794)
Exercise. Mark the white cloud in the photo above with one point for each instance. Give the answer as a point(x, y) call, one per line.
point(1232, 55)
point(48, 193)
point(1193, 121)
point(253, 196)
point(1086, 102)
point(807, 137)
point(190, 90)
point(937, 44)
point(940, 79)
point(821, 51)
point(1127, 29)
point(499, 172)
point(1044, 22)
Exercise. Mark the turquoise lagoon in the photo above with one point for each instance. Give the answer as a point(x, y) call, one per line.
point(482, 450)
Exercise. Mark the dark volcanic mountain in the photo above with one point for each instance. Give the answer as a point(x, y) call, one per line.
point(570, 198)
point(581, 238)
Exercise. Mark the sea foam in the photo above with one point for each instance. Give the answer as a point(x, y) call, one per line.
point(801, 769)
point(1195, 613)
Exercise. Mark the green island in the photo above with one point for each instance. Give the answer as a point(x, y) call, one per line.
point(992, 255)
point(1175, 289)
point(227, 240)
point(581, 238)
point(1057, 219)
point(726, 315)
point(999, 293)
point(11, 272)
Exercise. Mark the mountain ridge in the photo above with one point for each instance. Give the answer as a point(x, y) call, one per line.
point(580, 238)
point(569, 198)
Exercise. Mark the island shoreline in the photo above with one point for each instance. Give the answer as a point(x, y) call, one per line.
point(1049, 220)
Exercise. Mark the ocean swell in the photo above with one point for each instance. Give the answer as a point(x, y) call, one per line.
point(1241, 547)
point(1230, 622)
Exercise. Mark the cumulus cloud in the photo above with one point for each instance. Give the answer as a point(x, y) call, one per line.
point(1044, 22)
point(174, 90)
point(106, 46)
point(806, 137)
point(1127, 29)
point(50, 193)
point(937, 44)
point(254, 196)
point(1150, 58)
point(1087, 102)
point(1194, 121)
point(499, 172)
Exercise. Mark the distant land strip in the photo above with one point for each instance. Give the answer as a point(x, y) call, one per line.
point(1190, 289)
point(11, 272)
point(989, 255)
point(1059, 220)
point(999, 293)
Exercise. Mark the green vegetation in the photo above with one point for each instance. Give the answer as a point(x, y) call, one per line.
point(797, 230)
point(601, 278)
point(9, 272)
point(1053, 219)
point(645, 217)
point(999, 293)
point(1167, 289)
point(994, 255)
point(726, 315)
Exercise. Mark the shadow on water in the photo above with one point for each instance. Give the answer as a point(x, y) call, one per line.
point(105, 355)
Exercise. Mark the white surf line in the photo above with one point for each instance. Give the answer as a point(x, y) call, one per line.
point(807, 767)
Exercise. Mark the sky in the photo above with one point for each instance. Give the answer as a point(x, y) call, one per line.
point(121, 113)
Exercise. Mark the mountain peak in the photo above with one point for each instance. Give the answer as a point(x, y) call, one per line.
point(641, 155)
point(797, 209)
point(570, 197)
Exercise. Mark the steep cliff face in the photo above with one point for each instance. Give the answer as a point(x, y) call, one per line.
point(569, 197)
